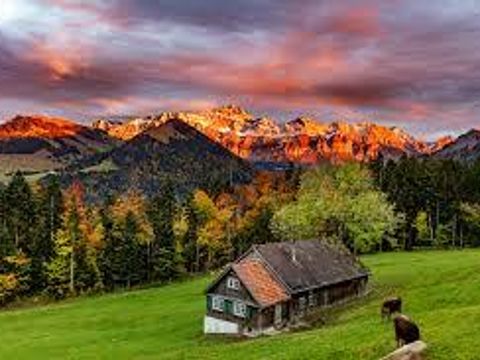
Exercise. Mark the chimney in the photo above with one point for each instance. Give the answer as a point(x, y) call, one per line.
point(293, 252)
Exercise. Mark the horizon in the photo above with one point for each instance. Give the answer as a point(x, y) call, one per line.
point(124, 118)
point(353, 62)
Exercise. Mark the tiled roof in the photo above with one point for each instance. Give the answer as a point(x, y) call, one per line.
point(303, 265)
point(258, 280)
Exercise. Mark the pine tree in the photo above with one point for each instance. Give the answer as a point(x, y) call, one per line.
point(190, 239)
point(163, 263)
point(130, 251)
point(106, 257)
point(50, 205)
point(7, 245)
point(50, 211)
point(20, 213)
point(121, 260)
point(257, 231)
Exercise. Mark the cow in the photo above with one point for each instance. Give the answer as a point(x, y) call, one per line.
point(406, 331)
point(391, 306)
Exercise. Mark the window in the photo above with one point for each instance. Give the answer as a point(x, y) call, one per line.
point(312, 299)
point(228, 306)
point(239, 309)
point(217, 303)
point(302, 303)
point(233, 283)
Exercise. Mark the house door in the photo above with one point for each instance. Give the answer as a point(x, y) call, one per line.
point(278, 314)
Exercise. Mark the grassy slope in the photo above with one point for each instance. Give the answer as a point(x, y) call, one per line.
point(441, 291)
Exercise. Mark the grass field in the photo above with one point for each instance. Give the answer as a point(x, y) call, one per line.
point(441, 292)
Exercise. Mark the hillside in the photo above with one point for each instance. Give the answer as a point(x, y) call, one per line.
point(166, 322)
point(39, 143)
point(465, 148)
point(173, 150)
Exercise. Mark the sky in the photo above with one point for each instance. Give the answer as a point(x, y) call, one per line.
point(410, 63)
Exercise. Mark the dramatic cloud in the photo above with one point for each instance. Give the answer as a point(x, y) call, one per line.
point(404, 62)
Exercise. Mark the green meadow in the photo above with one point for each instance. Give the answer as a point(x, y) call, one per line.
point(440, 290)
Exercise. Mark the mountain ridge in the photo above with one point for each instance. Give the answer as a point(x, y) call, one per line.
point(302, 140)
point(39, 143)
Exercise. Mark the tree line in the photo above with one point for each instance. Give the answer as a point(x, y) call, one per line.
point(55, 244)
point(385, 205)
point(440, 200)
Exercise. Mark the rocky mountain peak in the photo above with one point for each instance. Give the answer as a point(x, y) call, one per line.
point(39, 126)
point(303, 139)
point(305, 125)
point(262, 126)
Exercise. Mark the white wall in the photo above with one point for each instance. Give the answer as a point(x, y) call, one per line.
point(212, 325)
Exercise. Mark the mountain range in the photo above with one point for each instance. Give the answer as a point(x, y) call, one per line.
point(202, 139)
point(302, 140)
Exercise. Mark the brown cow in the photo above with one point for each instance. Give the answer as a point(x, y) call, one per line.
point(391, 306)
point(406, 331)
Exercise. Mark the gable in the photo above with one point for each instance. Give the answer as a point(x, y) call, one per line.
point(222, 286)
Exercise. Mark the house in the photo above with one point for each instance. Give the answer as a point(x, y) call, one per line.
point(274, 285)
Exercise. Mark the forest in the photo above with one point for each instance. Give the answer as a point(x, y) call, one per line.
point(55, 244)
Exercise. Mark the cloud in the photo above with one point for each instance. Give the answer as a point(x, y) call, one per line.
point(395, 60)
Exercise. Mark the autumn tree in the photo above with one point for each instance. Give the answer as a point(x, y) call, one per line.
point(127, 234)
point(73, 268)
point(340, 204)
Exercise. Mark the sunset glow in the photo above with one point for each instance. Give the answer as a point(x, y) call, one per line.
point(404, 63)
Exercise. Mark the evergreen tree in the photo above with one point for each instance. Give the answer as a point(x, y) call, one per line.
point(190, 240)
point(163, 263)
point(256, 232)
point(20, 214)
point(50, 212)
point(121, 261)
point(106, 258)
point(50, 206)
point(131, 251)
point(7, 245)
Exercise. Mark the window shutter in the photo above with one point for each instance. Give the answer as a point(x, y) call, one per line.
point(209, 302)
point(228, 306)
point(251, 311)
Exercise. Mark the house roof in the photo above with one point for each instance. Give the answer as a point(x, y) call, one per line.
point(259, 281)
point(304, 265)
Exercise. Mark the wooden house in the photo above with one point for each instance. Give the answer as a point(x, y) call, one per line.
point(274, 285)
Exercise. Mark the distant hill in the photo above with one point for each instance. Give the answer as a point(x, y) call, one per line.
point(39, 143)
point(173, 150)
point(465, 148)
